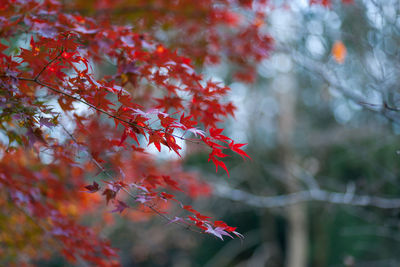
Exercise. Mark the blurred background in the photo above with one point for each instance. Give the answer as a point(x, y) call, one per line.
point(322, 125)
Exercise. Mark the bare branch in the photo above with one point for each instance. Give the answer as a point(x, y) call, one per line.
point(318, 195)
point(329, 77)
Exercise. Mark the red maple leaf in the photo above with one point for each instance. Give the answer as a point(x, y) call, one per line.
point(110, 194)
point(93, 187)
point(156, 138)
point(236, 148)
point(120, 206)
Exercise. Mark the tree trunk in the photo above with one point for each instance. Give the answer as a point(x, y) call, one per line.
point(297, 232)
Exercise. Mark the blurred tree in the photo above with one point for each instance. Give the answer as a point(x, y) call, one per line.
point(342, 62)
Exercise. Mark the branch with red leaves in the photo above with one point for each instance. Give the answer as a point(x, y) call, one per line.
point(51, 60)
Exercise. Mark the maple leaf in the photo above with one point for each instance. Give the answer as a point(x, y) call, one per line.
point(217, 153)
point(133, 136)
point(221, 164)
point(198, 223)
point(171, 143)
point(93, 187)
point(176, 220)
point(189, 208)
point(339, 52)
point(120, 206)
point(167, 196)
point(169, 181)
point(166, 121)
point(187, 121)
point(217, 231)
point(236, 148)
point(197, 132)
point(123, 137)
point(202, 217)
point(110, 194)
point(216, 133)
point(143, 198)
point(156, 137)
point(142, 188)
point(238, 234)
point(220, 224)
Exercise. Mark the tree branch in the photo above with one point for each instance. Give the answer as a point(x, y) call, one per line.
point(35, 80)
point(318, 195)
point(329, 77)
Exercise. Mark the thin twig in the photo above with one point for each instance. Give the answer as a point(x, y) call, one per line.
point(48, 64)
point(327, 75)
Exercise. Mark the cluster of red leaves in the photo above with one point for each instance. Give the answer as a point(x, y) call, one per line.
point(51, 55)
point(47, 193)
point(154, 97)
point(208, 31)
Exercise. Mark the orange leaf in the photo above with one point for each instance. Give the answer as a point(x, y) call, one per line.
point(339, 52)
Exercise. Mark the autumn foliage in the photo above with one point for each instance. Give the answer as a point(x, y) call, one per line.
point(86, 88)
point(339, 52)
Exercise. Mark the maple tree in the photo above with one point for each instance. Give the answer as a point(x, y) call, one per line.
point(87, 86)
